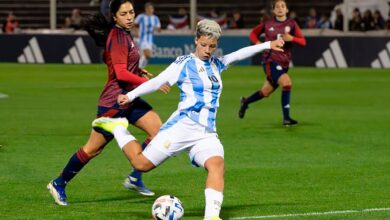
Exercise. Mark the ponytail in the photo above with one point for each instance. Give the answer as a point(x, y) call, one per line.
point(98, 27)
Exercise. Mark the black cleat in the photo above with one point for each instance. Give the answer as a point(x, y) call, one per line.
point(289, 122)
point(243, 108)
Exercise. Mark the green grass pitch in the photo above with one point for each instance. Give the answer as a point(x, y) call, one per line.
point(336, 159)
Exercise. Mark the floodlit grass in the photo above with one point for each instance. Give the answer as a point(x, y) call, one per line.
point(337, 158)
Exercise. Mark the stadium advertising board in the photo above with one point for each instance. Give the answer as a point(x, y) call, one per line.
point(322, 52)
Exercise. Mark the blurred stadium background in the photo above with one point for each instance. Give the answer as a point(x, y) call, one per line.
point(334, 165)
point(330, 43)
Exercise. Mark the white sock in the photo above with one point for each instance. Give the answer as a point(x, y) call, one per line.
point(122, 136)
point(142, 62)
point(213, 202)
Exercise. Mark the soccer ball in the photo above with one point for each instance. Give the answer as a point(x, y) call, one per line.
point(167, 207)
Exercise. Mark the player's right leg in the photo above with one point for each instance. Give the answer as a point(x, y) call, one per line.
point(93, 147)
point(265, 91)
point(127, 142)
point(150, 122)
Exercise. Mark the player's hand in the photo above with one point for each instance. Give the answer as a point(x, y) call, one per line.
point(144, 73)
point(165, 88)
point(287, 37)
point(123, 99)
point(277, 45)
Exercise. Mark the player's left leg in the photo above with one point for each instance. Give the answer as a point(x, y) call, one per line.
point(208, 153)
point(214, 187)
point(285, 82)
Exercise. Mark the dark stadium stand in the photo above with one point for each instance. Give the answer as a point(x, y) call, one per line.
point(35, 13)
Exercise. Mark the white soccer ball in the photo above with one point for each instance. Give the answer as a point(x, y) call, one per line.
point(167, 207)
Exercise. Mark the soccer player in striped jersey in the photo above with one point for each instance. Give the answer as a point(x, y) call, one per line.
point(276, 63)
point(147, 23)
point(192, 127)
point(121, 57)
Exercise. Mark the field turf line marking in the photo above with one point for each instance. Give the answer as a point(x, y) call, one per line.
point(3, 96)
point(312, 213)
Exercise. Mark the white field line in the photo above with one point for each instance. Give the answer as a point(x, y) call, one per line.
point(312, 213)
point(3, 96)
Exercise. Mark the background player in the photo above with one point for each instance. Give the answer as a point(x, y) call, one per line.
point(147, 23)
point(276, 63)
point(192, 127)
point(121, 56)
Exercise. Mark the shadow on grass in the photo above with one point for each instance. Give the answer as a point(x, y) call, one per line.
point(129, 198)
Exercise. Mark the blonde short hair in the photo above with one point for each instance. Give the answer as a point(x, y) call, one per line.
point(208, 28)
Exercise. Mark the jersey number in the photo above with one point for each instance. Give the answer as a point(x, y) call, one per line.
point(213, 79)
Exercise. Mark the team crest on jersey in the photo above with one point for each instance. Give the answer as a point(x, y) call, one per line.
point(271, 29)
point(287, 29)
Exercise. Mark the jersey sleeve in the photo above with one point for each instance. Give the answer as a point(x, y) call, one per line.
point(119, 49)
point(170, 75)
point(298, 37)
point(256, 31)
point(158, 23)
point(244, 53)
point(119, 54)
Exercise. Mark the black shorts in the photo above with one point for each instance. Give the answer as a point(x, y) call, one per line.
point(273, 71)
point(136, 110)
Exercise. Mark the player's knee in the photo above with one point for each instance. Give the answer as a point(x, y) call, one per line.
point(286, 87)
point(92, 152)
point(215, 165)
point(142, 165)
point(264, 93)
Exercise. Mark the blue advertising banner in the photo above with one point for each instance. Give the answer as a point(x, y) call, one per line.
point(167, 48)
point(321, 52)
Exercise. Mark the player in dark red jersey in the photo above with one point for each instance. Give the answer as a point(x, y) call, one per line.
point(275, 63)
point(122, 57)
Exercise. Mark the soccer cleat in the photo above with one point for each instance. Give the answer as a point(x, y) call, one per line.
point(58, 193)
point(137, 185)
point(109, 124)
point(289, 122)
point(243, 108)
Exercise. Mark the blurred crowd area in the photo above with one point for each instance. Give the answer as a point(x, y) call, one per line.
point(20, 16)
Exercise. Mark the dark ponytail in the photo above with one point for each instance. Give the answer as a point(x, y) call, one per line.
point(98, 27)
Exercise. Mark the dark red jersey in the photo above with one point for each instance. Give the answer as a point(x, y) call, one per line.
point(121, 56)
point(272, 29)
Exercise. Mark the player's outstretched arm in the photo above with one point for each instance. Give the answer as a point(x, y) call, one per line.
point(249, 51)
point(162, 82)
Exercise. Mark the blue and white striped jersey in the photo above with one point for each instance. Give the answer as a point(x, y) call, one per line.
point(200, 87)
point(199, 82)
point(147, 24)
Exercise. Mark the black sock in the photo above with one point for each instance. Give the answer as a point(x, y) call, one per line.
point(74, 165)
point(254, 97)
point(286, 92)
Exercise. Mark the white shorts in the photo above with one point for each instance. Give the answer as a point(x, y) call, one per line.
point(185, 135)
point(144, 45)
